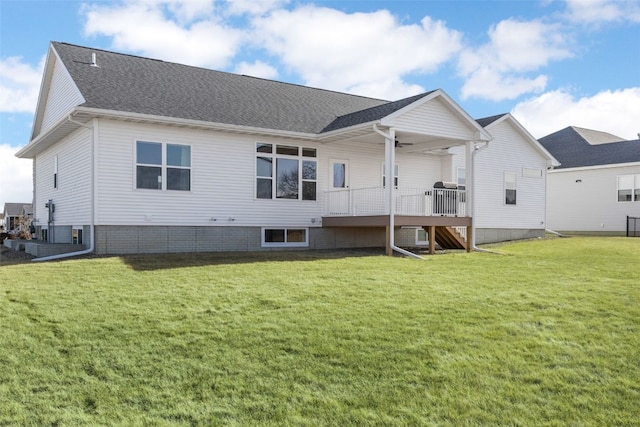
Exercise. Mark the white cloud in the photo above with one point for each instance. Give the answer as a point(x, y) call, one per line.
point(340, 51)
point(615, 112)
point(143, 26)
point(599, 11)
point(490, 84)
point(15, 177)
point(19, 85)
point(254, 7)
point(257, 69)
point(498, 70)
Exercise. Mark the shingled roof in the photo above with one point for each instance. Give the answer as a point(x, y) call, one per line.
point(486, 121)
point(572, 150)
point(134, 84)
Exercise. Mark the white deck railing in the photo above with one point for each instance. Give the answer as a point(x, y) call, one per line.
point(408, 201)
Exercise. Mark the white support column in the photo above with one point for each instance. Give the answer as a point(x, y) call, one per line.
point(390, 160)
point(469, 177)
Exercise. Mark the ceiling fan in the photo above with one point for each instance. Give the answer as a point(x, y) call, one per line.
point(402, 144)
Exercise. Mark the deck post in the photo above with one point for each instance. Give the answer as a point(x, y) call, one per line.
point(389, 250)
point(470, 239)
point(432, 239)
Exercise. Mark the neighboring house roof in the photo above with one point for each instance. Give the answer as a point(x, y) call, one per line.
point(17, 209)
point(595, 137)
point(130, 83)
point(573, 150)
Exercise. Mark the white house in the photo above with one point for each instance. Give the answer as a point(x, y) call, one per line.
point(598, 184)
point(137, 155)
point(511, 183)
point(11, 214)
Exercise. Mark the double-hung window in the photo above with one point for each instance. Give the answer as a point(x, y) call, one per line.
point(285, 172)
point(396, 171)
point(629, 188)
point(55, 172)
point(510, 188)
point(162, 166)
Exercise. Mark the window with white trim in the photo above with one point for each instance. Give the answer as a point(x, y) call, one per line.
point(462, 179)
point(422, 237)
point(161, 166)
point(396, 174)
point(510, 187)
point(285, 237)
point(55, 171)
point(629, 188)
point(285, 172)
point(76, 235)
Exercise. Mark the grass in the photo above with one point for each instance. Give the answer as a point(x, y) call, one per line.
point(546, 334)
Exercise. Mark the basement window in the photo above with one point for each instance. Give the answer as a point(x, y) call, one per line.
point(285, 237)
point(76, 235)
point(422, 237)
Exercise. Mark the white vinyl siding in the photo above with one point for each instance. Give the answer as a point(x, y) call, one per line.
point(223, 178)
point(586, 199)
point(434, 117)
point(62, 97)
point(222, 182)
point(72, 198)
point(509, 151)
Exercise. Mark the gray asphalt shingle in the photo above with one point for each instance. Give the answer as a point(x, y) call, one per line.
point(135, 84)
point(572, 150)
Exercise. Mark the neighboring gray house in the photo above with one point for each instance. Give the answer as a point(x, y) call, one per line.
point(12, 213)
point(137, 155)
point(597, 185)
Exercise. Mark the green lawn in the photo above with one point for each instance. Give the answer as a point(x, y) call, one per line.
point(548, 333)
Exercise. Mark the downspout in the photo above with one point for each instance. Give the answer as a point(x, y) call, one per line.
point(475, 151)
point(390, 153)
point(92, 225)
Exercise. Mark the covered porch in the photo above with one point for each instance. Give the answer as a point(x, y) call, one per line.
point(423, 145)
point(440, 211)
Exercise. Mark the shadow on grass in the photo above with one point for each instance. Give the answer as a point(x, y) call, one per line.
point(148, 262)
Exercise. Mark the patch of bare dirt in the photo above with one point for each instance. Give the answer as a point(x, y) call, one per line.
point(8, 256)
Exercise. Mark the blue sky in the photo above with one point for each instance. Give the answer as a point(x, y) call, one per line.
point(551, 64)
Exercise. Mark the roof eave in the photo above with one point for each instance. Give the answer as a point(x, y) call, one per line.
point(551, 160)
point(481, 134)
point(592, 167)
point(82, 112)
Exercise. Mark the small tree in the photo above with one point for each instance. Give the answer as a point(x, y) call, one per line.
point(24, 227)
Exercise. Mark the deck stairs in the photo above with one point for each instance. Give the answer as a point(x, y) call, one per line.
point(449, 238)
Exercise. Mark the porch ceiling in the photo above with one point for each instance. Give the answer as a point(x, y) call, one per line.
point(409, 142)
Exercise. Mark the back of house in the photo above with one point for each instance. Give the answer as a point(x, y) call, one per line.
point(136, 155)
point(598, 184)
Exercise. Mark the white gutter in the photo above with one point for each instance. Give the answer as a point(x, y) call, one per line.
point(390, 154)
point(475, 151)
point(92, 225)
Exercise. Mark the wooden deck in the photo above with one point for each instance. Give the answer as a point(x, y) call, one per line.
point(440, 228)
